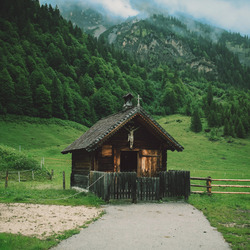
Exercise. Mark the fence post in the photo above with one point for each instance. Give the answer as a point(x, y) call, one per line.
point(134, 188)
point(63, 180)
point(6, 179)
point(33, 175)
point(209, 186)
point(106, 181)
point(19, 176)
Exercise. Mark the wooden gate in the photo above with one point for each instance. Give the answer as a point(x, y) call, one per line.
point(129, 186)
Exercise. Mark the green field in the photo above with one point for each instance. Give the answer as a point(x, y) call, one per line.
point(224, 158)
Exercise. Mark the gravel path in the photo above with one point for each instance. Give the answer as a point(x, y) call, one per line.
point(176, 225)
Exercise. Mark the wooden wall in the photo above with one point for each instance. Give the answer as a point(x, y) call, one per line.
point(81, 166)
point(150, 148)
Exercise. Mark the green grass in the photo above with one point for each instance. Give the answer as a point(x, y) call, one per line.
point(48, 137)
point(46, 194)
point(42, 138)
point(218, 159)
point(229, 213)
point(20, 242)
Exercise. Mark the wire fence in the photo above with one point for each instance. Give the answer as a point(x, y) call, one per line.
point(24, 175)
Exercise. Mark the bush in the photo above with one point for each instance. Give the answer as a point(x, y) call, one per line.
point(10, 159)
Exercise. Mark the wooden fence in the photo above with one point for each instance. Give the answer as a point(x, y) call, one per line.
point(129, 186)
point(209, 186)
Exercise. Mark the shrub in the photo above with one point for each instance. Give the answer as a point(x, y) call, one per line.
point(10, 159)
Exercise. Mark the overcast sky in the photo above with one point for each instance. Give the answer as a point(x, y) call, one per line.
point(232, 15)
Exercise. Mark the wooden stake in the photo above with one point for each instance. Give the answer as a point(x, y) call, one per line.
point(63, 180)
point(209, 185)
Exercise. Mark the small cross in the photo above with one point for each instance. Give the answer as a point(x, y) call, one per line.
point(138, 104)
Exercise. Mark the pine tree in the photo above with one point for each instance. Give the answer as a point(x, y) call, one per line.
point(24, 100)
point(43, 102)
point(68, 102)
point(196, 125)
point(7, 91)
point(86, 85)
point(240, 131)
point(226, 128)
point(209, 95)
point(57, 97)
point(231, 130)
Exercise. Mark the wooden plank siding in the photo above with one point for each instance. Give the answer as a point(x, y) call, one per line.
point(81, 166)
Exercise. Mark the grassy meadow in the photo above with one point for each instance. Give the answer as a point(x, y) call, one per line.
point(226, 158)
point(222, 158)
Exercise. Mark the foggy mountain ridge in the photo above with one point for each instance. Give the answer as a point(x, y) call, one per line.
point(94, 19)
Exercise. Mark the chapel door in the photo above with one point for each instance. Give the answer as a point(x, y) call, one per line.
point(150, 162)
point(128, 161)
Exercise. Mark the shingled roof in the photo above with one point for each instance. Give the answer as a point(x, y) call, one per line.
point(108, 126)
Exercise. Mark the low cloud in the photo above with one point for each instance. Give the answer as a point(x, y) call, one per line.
point(118, 7)
point(232, 15)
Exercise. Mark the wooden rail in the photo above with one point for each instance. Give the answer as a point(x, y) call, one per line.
point(209, 185)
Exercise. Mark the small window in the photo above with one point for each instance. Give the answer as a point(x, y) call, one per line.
point(106, 150)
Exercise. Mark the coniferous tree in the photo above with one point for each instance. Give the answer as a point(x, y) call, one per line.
point(68, 102)
point(7, 91)
point(231, 129)
point(226, 128)
point(240, 131)
point(196, 125)
point(57, 97)
point(43, 102)
point(24, 101)
point(86, 85)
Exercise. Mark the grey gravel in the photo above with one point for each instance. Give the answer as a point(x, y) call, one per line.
point(171, 225)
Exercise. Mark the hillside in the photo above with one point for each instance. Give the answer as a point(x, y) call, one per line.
point(221, 158)
point(41, 138)
point(48, 137)
point(166, 40)
point(50, 68)
point(95, 21)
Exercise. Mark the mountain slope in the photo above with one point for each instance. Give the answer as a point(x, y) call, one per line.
point(166, 40)
point(49, 68)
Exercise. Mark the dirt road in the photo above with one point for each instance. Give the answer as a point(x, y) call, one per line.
point(148, 226)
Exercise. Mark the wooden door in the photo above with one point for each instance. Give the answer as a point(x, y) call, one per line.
point(150, 162)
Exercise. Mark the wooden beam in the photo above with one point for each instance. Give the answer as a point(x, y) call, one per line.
point(194, 185)
point(240, 186)
point(217, 192)
point(199, 178)
point(240, 180)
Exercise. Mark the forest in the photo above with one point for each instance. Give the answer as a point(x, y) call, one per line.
point(51, 68)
